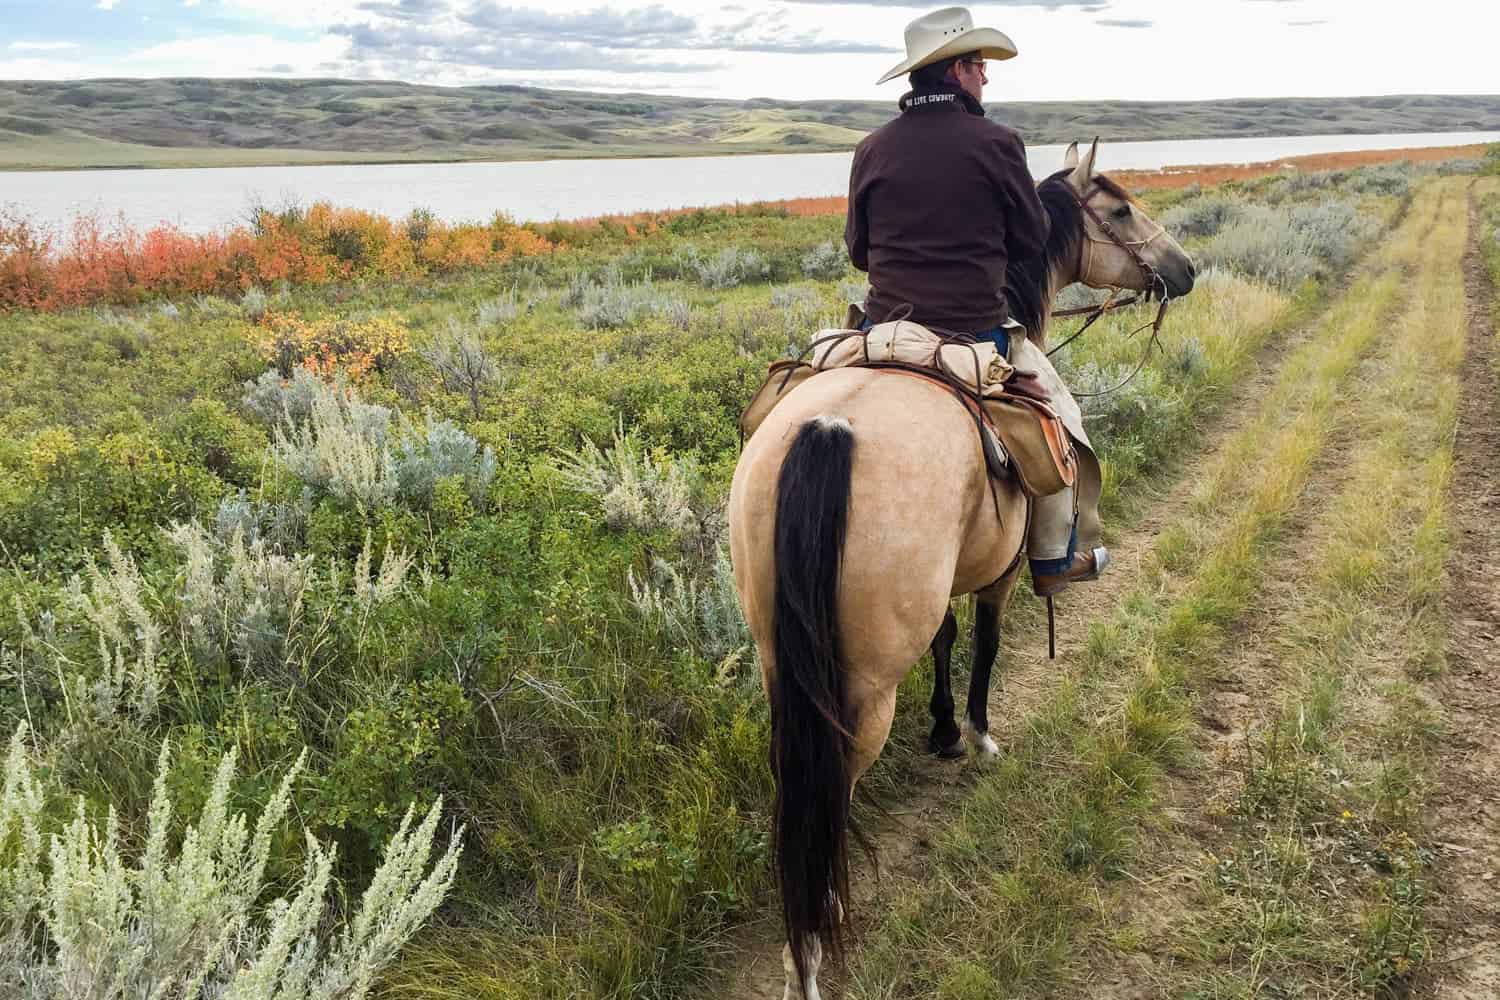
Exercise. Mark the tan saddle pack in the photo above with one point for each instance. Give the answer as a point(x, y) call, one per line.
point(1019, 428)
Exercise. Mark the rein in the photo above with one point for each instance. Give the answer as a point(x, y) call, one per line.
point(1154, 281)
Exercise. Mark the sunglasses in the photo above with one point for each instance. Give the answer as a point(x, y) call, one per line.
point(983, 66)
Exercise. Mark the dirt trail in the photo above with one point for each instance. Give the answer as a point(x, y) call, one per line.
point(1228, 707)
point(1242, 695)
point(1466, 816)
point(1465, 825)
point(1023, 678)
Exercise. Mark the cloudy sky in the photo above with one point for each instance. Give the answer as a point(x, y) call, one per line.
point(1070, 49)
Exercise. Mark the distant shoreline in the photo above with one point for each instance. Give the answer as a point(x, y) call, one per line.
point(1215, 173)
point(191, 202)
point(1163, 179)
point(352, 159)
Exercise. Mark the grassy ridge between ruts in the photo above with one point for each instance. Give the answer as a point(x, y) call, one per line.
point(1490, 245)
point(365, 518)
point(1018, 881)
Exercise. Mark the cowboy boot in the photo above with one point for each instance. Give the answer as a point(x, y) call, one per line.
point(1085, 566)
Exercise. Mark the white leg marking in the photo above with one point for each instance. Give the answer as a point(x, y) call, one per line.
point(983, 744)
point(809, 989)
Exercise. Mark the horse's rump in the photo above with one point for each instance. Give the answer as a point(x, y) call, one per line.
point(922, 517)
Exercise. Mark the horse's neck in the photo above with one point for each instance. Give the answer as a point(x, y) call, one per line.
point(1059, 276)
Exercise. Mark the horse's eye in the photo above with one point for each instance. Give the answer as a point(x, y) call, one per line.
point(1123, 212)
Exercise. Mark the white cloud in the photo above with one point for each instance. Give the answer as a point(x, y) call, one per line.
point(792, 50)
point(42, 46)
point(230, 55)
point(33, 68)
point(293, 13)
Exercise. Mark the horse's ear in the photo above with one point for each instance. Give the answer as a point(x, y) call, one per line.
point(1083, 171)
point(1070, 158)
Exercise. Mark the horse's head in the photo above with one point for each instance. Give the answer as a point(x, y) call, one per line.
point(1120, 245)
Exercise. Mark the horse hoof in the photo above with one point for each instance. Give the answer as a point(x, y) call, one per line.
point(952, 751)
point(983, 743)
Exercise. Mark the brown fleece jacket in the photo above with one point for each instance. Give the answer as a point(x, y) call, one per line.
point(939, 200)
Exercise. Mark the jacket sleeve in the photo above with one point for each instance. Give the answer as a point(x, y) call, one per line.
point(856, 225)
point(1027, 222)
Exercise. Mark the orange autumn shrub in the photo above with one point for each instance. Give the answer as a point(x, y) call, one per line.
point(281, 251)
point(330, 367)
point(174, 261)
point(119, 265)
point(362, 243)
point(97, 265)
point(518, 242)
point(331, 343)
point(456, 248)
point(25, 252)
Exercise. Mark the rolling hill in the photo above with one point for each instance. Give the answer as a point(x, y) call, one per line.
point(200, 122)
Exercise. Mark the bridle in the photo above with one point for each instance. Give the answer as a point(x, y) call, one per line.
point(1154, 282)
point(1132, 248)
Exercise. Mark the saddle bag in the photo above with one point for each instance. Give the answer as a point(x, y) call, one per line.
point(1040, 450)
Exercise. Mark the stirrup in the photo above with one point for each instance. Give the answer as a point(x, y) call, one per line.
point(1051, 584)
point(1101, 563)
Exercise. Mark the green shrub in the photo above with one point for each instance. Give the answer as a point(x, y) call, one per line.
point(348, 450)
point(1288, 246)
point(729, 267)
point(825, 262)
point(1202, 216)
point(1490, 165)
point(614, 304)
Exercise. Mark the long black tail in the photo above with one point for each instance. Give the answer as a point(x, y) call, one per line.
point(811, 730)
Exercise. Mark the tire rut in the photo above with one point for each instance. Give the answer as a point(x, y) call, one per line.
point(1465, 823)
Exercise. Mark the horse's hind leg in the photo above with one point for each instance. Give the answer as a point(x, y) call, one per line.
point(873, 709)
point(945, 739)
point(813, 957)
point(987, 607)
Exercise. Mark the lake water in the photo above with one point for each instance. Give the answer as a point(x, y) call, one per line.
point(202, 200)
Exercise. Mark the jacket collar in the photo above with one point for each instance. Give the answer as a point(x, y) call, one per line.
point(944, 96)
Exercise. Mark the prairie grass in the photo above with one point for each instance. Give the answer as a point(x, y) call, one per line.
point(1489, 248)
point(549, 640)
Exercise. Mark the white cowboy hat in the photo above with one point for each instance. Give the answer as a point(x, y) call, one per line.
point(944, 34)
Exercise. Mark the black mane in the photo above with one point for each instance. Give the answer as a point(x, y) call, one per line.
point(1026, 281)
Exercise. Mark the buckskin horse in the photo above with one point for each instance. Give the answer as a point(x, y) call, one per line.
point(859, 509)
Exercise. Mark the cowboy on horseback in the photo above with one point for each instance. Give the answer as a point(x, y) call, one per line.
point(861, 506)
point(940, 200)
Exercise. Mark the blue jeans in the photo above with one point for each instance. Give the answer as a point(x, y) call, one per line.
point(1051, 567)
